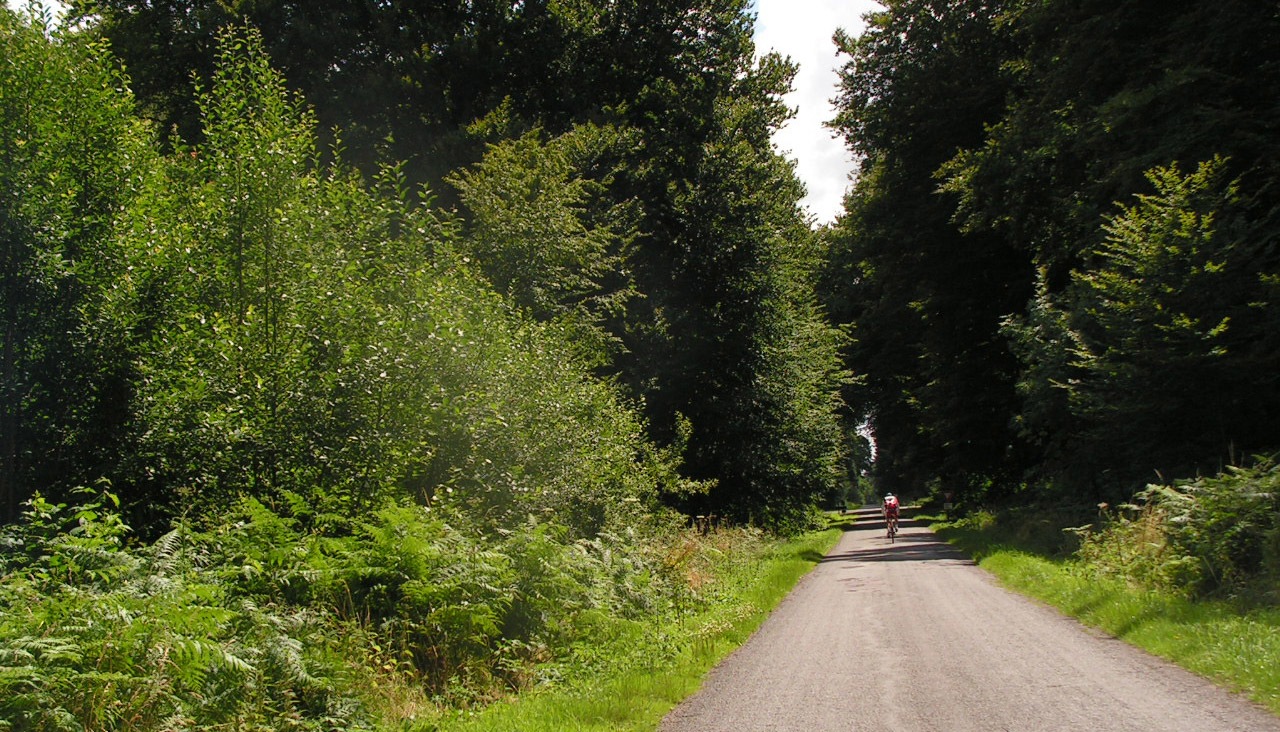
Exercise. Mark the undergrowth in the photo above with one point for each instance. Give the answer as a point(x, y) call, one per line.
point(629, 682)
point(1213, 537)
point(412, 617)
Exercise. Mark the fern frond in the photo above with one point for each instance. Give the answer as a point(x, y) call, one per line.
point(167, 550)
point(32, 650)
point(197, 658)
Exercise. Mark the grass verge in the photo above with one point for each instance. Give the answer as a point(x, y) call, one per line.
point(1237, 648)
point(650, 667)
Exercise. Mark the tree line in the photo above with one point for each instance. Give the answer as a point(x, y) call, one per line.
point(1059, 261)
point(353, 424)
point(517, 256)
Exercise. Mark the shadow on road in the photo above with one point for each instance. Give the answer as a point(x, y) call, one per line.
point(913, 544)
point(912, 548)
point(870, 518)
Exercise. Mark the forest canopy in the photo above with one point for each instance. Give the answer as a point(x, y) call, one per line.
point(1059, 262)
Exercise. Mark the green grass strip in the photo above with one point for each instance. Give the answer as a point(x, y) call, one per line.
point(636, 700)
point(1238, 649)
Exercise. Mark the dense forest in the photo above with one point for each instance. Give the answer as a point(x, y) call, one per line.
point(1059, 261)
point(312, 291)
point(427, 327)
point(341, 389)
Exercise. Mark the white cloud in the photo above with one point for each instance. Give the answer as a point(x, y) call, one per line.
point(802, 29)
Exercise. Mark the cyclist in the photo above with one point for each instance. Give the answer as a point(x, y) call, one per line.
point(890, 509)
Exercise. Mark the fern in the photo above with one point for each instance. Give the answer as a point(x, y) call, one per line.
point(28, 650)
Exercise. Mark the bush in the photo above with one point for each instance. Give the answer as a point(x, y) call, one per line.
point(72, 156)
point(1230, 524)
point(1132, 543)
point(1214, 536)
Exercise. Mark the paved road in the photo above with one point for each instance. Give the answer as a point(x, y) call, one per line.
point(914, 637)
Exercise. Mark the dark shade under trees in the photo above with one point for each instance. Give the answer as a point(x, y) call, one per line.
point(923, 299)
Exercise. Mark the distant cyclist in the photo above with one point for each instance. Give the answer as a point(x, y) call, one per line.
point(890, 509)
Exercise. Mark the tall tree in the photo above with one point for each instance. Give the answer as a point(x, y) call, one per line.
point(72, 157)
point(1103, 96)
point(924, 299)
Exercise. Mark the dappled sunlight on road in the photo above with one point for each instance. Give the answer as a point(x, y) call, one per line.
point(914, 543)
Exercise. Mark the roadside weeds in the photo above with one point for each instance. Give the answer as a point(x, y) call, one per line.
point(635, 699)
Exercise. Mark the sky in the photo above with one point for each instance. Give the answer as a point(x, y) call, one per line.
point(802, 29)
point(20, 4)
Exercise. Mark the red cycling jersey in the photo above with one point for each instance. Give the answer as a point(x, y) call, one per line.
point(891, 506)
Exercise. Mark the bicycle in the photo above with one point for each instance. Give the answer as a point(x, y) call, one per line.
point(891, 527)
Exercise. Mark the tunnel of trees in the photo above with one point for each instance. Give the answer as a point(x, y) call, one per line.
point(353, 345)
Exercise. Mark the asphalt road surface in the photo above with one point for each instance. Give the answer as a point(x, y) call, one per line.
point(913, 636)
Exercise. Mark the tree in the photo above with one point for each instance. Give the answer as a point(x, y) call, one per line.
point(72, 158)
point(533, 231)
point(1101, 96)
point(1103, 93)
point(924, 299)
point(1174, 369)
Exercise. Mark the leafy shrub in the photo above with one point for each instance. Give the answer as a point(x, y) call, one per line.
point(1230, 524)
point(1132, 543)
point(72, 156)
point(1209, 536)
